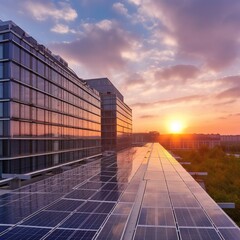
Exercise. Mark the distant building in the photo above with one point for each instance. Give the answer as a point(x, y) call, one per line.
point(142, 138)
point(189, 141)
point(48, 115)
point(116, 126)
point(231, 142)
point(230, 139)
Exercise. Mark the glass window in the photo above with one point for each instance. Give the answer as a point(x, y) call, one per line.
point(1, 109)
point(1, 51)
point(16, 53)
point(1, 70)
point(15, 71)
point(1, 90)
point(15, 110)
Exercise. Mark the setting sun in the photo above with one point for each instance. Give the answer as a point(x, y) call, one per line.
point(176, 127)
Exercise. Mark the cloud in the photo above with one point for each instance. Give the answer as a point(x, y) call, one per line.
point(99, 48)
point(62, 29)
point(186, 99)
point(133, 80)
point(178, 74)
point(230, 80)
point(43, 10)
point(148, 116)
point(205, 30)
point(121, 9)
point(229, 93)
point(230, 116)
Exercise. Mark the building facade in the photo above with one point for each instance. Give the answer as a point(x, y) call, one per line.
point(116, 116)
point(48, 116)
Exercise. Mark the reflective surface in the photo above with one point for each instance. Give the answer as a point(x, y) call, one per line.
point(143, 193)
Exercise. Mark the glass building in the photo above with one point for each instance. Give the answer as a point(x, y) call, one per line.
point(116, 116)
point(48, 115)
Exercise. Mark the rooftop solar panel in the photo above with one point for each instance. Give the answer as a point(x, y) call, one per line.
point(23, 233)
point(194, 217)
point(65, 205)
point(113, 228)
point(156, 216)
point(155, 233)
point(199, 234)
point(46, 219)
point(219, 218)
point(146, 195)
point(65, 234)
point(230, 233)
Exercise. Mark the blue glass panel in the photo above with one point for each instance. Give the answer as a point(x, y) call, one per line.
point(3, 228)
point(80, 194)
point(75, 220)
point(46, 218)
point(65, 205)
point(89, 207)
point(64, 234)
point(60, 234)
point(83, 235)
point(23, 233)
point(94, 221)
point(91, 185)
point(230, 233)
point(105, 207)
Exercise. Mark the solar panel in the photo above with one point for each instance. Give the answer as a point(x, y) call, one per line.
point(94, 221)
point(219, 218)
point(180, 200)
point(80, 194)
point(111, 199)
point(65, 234)
point(192, 217)
point(65, 205)
point(156, 200)
point(156, 216)
point(22, 233)
point(155, 233)
point(105, 207)
point(123, 208)
point(46, 219)
point(75, 220)
point(230, 233)
point(3, 228)
point(199, 234)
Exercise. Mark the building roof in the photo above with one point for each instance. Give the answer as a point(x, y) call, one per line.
point(104, 85)
point(142, 193)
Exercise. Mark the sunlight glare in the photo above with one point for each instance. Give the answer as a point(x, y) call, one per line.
point(176, 127)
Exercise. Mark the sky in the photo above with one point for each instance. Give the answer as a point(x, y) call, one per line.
point(172, 60)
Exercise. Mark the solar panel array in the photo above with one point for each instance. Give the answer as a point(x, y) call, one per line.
point(143, 193)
